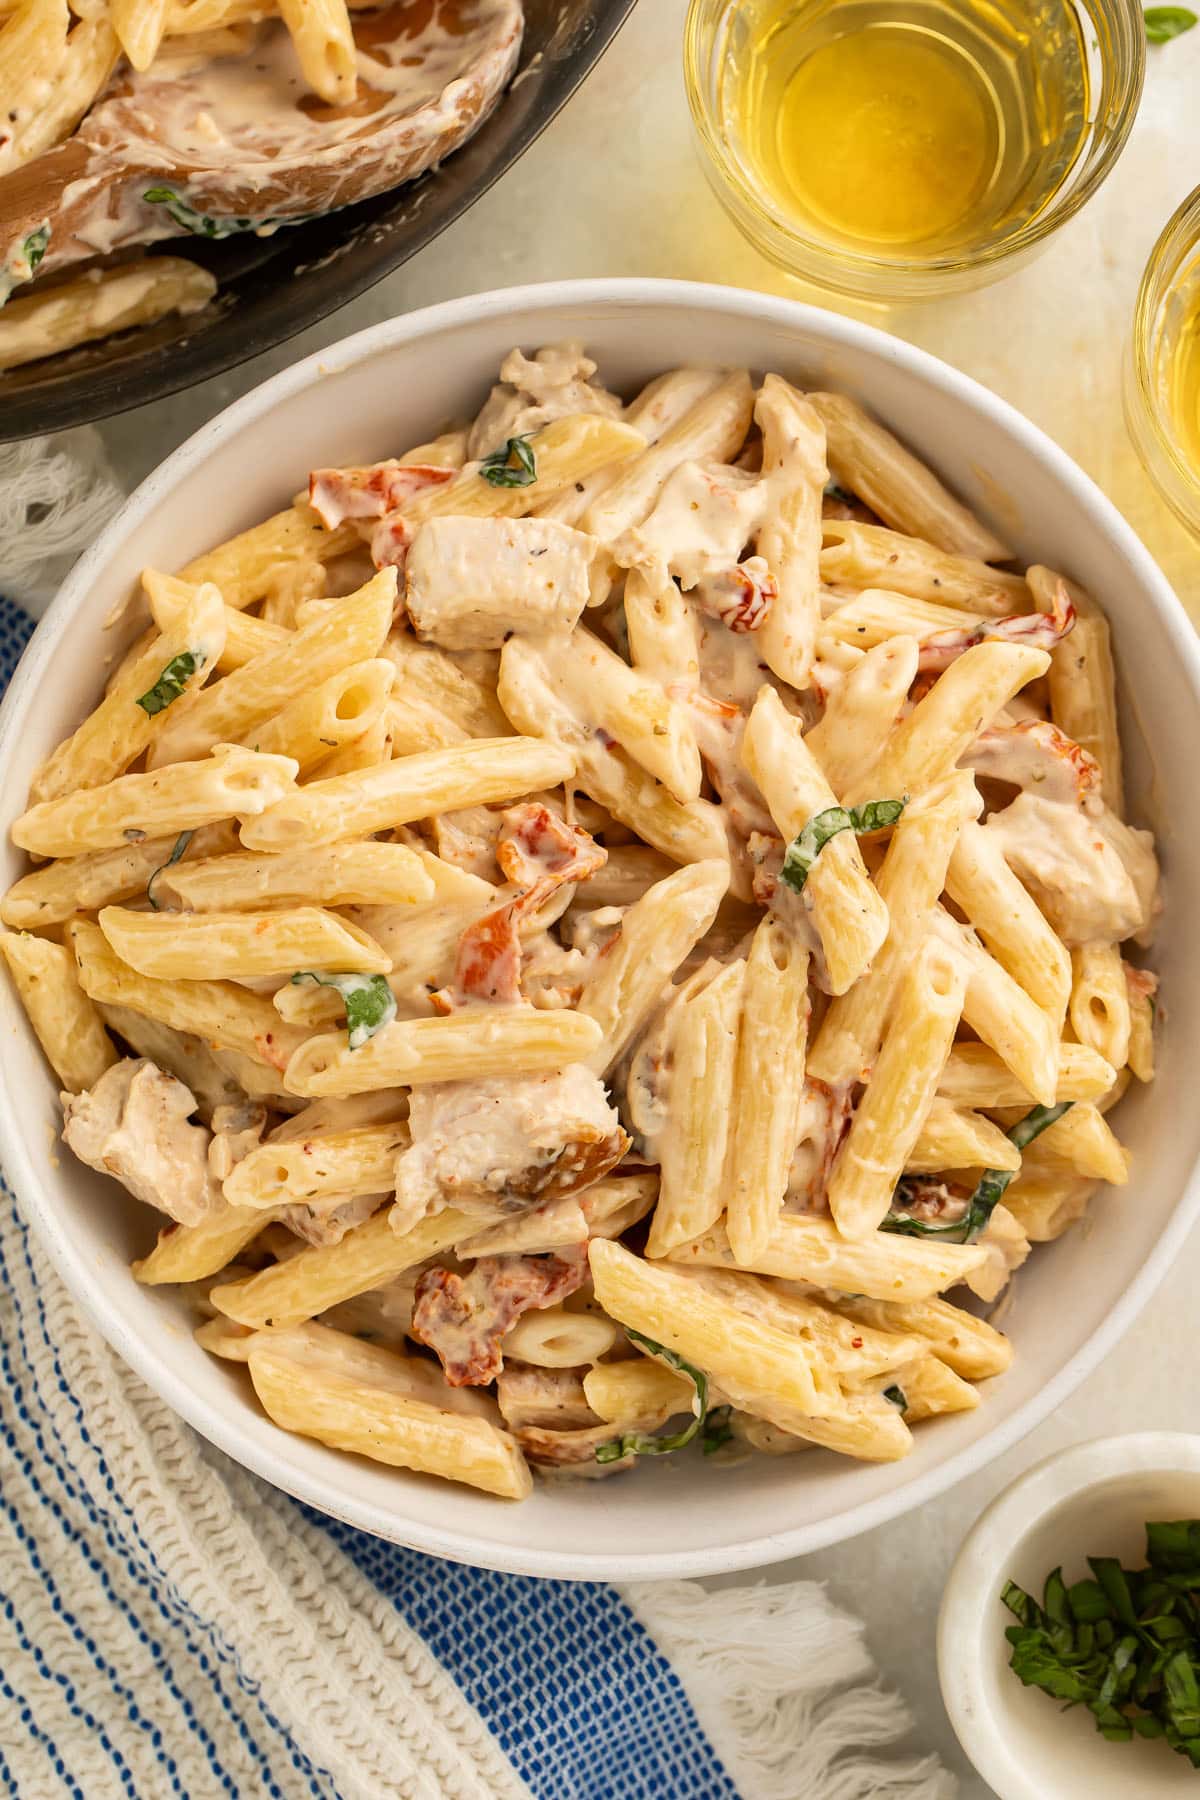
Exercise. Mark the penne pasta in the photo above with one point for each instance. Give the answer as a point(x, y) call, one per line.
point(411, 787)
point(67, 1025)
point(765, 1089)
point(850, 918)
point(899, 1093)
point(412, 1051)
point(874, 465)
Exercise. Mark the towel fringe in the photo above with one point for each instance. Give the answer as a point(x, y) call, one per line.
point(782, 1682)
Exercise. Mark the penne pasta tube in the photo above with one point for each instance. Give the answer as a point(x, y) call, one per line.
point(448, 699)
point(350, 631)
point(411, 787)
point(662, 631)
point(627, 1393)
point(849, 737)
point(703, 1049)
point(455, 1048)
point(360, 1403)
point(308, 1169)
point(876, 616)
point(656, 935)
point(246, 635)
point(764, 1094)
point(871, 556)
point(355, 874)
point(941, 728)
point(909, 881)
point(1001, 1013)
point(1099, 1003)
point(970, 1346)
point(953, 1137)
point(1083, 683)
point(899, 1092)
point(566, 450)
point(195, 1252)
point(929, 1387)
point(1142, 1004)
point(628, 875)
point(219, 1012)
point(139, 25)
point(324, 1275)
point(66, 1023)
point(850, 918)
point(757, 1365)
point(129, 718)
point(793, 464)
point(594, 684)
point(246, 567)
point(239, 946)
point(692, 833)
point(712, 430)
point(976, 1076)
point(320, 30)
point(61, 889)
point(178, 798)
point(1047, 1202)
point(809, 1248)
point(874, 465)
point(333, 713)
point(557, 1339)
point(1009, 921)
point(1080, 1143)
point(372, 746)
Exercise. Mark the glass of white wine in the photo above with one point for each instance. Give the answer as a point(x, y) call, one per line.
point(899, 149)
point(1162, 365)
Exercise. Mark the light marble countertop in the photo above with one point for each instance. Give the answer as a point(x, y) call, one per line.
point(614, 188)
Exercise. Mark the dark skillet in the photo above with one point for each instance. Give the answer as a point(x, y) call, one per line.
point(271, 288)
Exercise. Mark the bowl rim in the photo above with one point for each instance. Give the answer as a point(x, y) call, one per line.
point(964, 1619)
point(215, 1423)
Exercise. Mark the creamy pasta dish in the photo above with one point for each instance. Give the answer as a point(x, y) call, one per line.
point(615, 927)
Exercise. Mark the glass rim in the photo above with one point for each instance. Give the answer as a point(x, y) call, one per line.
point(1181, 232)
point(821, 252)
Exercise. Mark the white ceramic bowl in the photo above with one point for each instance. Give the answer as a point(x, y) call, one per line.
point(1091, 1500)
point(394, 385)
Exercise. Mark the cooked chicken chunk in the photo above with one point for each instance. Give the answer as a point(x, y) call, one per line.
point(1092, 876)
point(134, 1124)
point(507, 1141)
point(471, 583)
point(533, 390)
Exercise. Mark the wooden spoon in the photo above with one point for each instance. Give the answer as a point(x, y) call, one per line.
point(240, 144)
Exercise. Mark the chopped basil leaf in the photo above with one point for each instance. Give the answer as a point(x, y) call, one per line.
point(370, 1002)
point(802, 852)
point(717, 1429)
point(205, 225)
point(1166, 22)
point(181, 844)
point(634, 1443)
point(897, 1396)
point(171, 682)
point(34, 247)
point(512, 466)
point(1125, 1644)
point(993, 1184)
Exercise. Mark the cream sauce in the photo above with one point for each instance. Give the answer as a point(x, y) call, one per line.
point(217, 132)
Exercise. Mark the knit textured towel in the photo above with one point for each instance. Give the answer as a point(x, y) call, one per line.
point(171, 1626)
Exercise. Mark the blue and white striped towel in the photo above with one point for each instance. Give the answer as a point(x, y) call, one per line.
point(171, 1626)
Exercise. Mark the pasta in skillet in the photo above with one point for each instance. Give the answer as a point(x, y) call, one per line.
point(593, 928)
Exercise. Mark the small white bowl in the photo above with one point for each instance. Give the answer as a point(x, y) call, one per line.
point(1092, 1500)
